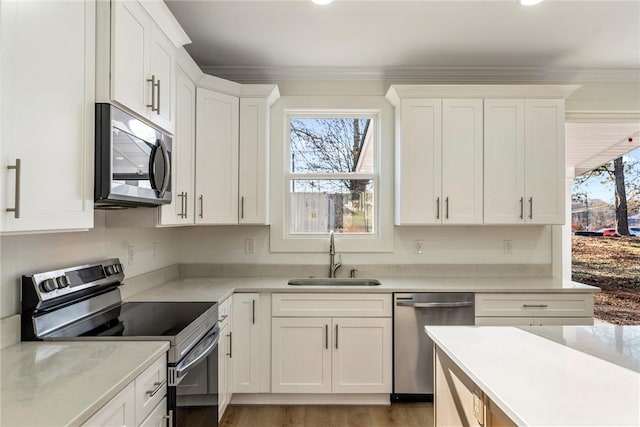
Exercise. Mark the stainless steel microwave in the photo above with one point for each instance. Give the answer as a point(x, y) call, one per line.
point(132, 161)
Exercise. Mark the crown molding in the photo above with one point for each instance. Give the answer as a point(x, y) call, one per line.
point(255, 74)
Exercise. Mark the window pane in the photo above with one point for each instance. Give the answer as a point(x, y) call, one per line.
point(331, 145)
point(319, 206)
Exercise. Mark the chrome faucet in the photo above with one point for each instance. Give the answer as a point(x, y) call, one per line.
point(333, 266)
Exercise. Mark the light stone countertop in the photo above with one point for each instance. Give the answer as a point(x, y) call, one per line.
point(220, 288)
point(552, 376)
point(63, 383)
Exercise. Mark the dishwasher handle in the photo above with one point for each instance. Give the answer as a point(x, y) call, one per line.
point(434, 304)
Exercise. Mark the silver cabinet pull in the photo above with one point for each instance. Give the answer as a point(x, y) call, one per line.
point(169, 418)
point(530, 207)
point(158, 98)
point(154, 84)
point(201, 198)
point(521, 207)
point(337, 326)
point(16, 208)
point(446, 204)
point(181, 214)
point(535, 305)
point(230, 354)
point(242, 207)
point(253, 311)
point(158, 387)
point(437, 207)
point(326, 336)
point(186, 204)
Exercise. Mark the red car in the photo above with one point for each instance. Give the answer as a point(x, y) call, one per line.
point(609, 232)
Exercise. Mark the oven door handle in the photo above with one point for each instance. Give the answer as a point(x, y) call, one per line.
point(434, 304)
point(199, 353)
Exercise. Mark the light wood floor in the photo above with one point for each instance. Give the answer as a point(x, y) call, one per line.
point(396, 415)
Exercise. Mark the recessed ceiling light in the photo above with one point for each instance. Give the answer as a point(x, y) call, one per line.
point(529, 2)
point(322, 2)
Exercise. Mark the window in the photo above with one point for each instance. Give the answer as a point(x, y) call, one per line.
point(313, 191)
point(332, 173)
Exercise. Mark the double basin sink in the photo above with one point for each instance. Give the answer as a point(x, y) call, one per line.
point(333, 282)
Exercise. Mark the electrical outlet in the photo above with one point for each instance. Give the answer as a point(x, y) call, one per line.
point(478, 406)
point(250, 246)
point(418, 246)
point(507, 246)
point(154, 249)
point(130, 255)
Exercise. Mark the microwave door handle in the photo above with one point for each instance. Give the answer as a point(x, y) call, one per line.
point(167, 168)
point(152, 167)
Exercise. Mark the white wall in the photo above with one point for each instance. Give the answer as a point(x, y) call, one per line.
point(23, 254)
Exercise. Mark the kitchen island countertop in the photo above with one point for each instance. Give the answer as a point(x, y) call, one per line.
point(64, 383)
point(551, 376)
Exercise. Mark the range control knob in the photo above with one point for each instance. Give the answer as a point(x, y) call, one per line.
point(110, 269)
point(48, 285)
point(62, 281)
point(119, 268)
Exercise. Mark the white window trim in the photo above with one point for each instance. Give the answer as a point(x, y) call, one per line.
point(382, 240)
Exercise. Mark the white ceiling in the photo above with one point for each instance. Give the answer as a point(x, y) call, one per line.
point(257, 38)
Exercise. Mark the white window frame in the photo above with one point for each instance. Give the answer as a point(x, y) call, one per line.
point(374, 107)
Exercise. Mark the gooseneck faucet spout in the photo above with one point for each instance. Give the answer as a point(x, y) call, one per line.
point(333, 266)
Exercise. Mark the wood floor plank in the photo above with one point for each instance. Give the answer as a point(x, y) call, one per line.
point(396, 415)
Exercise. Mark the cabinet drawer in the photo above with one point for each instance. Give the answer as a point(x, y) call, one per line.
point(150, 388)
point(534, 305)
point(224, 312)
point(331, 305)
point(119, 411)
point(157, 417)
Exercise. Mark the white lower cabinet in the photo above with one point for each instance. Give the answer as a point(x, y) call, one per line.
point(141, 403)
point(225, 347)
point(246, 343)
point(330, 354)
point(533, 321)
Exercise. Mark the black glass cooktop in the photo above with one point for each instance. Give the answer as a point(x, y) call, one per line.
point(138, 319)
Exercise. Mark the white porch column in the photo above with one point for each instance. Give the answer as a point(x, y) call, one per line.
point(566, 228)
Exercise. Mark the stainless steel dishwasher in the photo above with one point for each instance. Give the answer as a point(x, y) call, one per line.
point(412, 348)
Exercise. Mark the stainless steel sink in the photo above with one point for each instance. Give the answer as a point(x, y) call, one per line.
point(333, 282)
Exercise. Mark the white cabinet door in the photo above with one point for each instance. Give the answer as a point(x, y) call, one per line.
point(119, 412)
point(158, 417)
point(180, 211)
point(562, 321)
point(162, 69)
point(217, 121)
point(130, 27)
point(246, 343)
point(462, 154)
point(223, 377)
point(418, 162)
point(362, 352)
point(301, 355)
point(504, 161)
point(544, 161)
point(254, 161)
point(504, 321)
point(47, 118)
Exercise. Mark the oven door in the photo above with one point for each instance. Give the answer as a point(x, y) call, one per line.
point(194, 397)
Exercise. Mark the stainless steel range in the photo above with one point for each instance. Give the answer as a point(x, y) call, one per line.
point(84, 303)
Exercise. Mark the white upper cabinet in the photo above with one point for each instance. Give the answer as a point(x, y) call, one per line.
point(141, 64)
point(254, 161)
point(461, 201)
point(217, 119)
point(544, 161)
point(181, 209)
point(524, 161)
point(47, 119)
point(439, 162)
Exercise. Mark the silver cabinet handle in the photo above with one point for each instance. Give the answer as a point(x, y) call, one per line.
point(186, 204)
point(253, 311)
point(158, 98)
point(158, 387)
point(169, 418)
point(535, 305)
point(152, 80)
point(530, 207)
point(224, 316)
point(326, 336)
point(230, 354)
point(446, 204)
point(181, 214)
point(437, 207)
point(521, 207)
point(16, 208)
point(337, 326)
point(201, 198)
point(242, 207)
